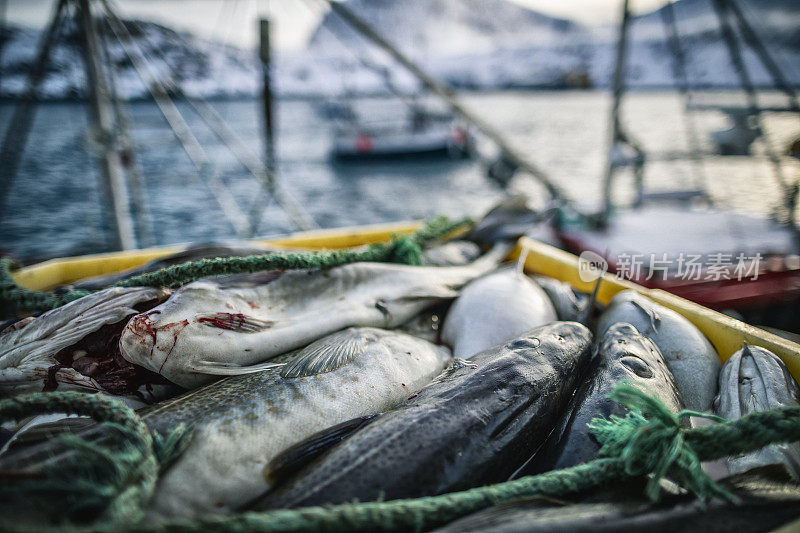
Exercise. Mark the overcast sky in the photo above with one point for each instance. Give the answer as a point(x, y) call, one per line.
point(234, 21)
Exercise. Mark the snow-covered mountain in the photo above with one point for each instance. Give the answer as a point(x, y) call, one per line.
point(465, 43)
point(193, 65)
point(708, 60)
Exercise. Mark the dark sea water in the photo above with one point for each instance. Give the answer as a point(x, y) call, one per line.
point(55, 208)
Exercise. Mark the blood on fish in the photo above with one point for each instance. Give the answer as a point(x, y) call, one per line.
point(230, 321)
point(183, 323)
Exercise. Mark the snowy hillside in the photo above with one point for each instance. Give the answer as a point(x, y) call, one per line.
point(708, 60)
point(484, 44)
point(196, 66)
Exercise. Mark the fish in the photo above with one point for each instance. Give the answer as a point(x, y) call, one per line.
point(427, 324)
point(206, 329)
point(474, 424)
point(73, 347)
point(754, 379)
point(567, 304)
point(493, 309)
point(622, 354)
point(453, 253)
point(239, 423)
point(768, 500)
point(690, 357)
point(510, 219)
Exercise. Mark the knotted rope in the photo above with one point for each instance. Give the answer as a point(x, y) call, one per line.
point(111, 479)
point(649, 441)
point(405, 249)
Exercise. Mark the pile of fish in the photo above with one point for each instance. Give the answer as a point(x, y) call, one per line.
point(381, 381)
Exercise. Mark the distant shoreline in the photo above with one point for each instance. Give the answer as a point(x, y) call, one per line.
point(376, 95)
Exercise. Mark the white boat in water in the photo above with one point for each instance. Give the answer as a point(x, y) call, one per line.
point(423, 133)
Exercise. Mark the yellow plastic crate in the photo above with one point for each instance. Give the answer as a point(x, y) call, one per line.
point(726, 333)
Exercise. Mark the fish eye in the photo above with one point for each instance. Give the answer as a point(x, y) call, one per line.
point(637, 366)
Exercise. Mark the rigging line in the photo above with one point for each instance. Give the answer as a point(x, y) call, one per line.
point(3, 26)
point(374, 66)
point(112, 181)
point(512, 155)
point(21, 121)
point(293, 209)
point(177, 123)
point(788, 63)
point(123, 142)
point(735, 52)
point(754, 40)
point(682, 80)
point(618, 133)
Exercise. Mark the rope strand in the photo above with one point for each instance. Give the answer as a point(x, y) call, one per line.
point(405, 249)
point(631, 446)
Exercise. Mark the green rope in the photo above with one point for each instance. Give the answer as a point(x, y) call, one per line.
point(109, 480)
point(657, 448)
point(404, 249)
point(22, 299)
point(632, 446)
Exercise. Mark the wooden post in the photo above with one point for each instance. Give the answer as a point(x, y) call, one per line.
point(264, 54)
point(102, 116)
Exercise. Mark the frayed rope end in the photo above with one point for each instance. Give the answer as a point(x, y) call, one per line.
point(650, 440)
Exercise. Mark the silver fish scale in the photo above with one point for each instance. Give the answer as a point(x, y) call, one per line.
point(754, 379)
point(242, 422)
point(180, 342)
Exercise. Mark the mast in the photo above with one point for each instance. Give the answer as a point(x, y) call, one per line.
point(682, 81)
point(264, 54)
point(19, 126)
point(102, 116)
point(789, 190)
point(618, 134)
point(766, 58)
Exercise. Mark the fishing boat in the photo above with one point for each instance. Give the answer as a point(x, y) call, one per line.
point(725, 332)
point(421, 133)
point(681, 241)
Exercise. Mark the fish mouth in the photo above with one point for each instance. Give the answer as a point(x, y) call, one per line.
point(149, 343)
point(99, 365)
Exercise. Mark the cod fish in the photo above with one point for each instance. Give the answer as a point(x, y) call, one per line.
point(692, 360)
point(453, 253)
point(768, 500)
point(205, 329)
point(74, 346)
point(494, 309)
point(475, 424)
point(241, 422)
point(567, 305)
point(755, 379)
point(623, 354)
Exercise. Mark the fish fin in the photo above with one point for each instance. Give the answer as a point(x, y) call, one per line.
point(234, 322)
point(654, 317)
point(40, 429)
point(453, 365)
point(327, 354)
point(588, 307)
point(217, 368)
point(296, 457)
point(442, 292)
